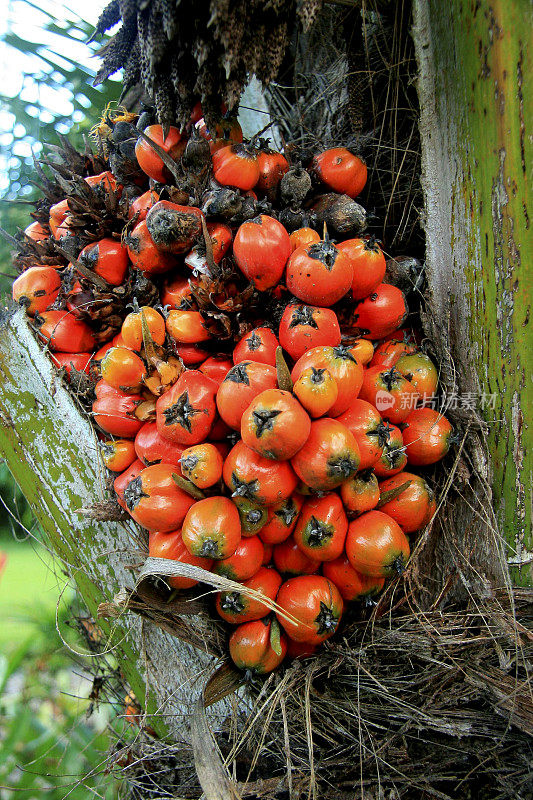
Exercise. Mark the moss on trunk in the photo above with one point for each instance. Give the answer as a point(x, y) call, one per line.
point(475, 97)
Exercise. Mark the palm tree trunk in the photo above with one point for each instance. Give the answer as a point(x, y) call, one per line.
point(475, 108)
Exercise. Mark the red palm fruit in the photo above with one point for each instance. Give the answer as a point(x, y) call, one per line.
point(140, 207)
point(291, 560)
point(171, 545)
point(120, 483)
point(300, 650)
point(267, 554)
point(343, 367)
point(114, 411)
point(221, 238)
point(272, 168)
point(427, 436)
point(36, 289)
point(303, 327)
point(393, 459)
point(250, 647)
point(411, 508)
point(186, 327)
point(36, 231)
point(275, 425)
point(118, 454)
point(155, 501)
point(321, 528)
point(68, 361)
point(281, 520)
point(382, 312)
point(261, 249)
point(220, 431)
point(191, 354)
point(132, 333)
point(253, 516)
point(107, 258)
point(360, 493)
point(362, 350)
point(236, 607)
point(216, 367)
point(247, 474)
point(329, 457)
point(174, 228)
point(405, 335)
point(368, 265)
point(392, 394)
point(245, 561)
point(186, 412)
point(240, 386)
point(212, 528)
point(303, 237)
point(226, 131)
point(104, 180)
point(314, 603)
point(152, 448)
point(351, 584)
point(319, 274)
point(419, 370)
point(63, 332)
point(176, 293)
point(376, 545)
point(58, 214)
point(100, 353)
point(236, 165)
point(389, 351)
point(316, 390)
point(364, 421)
point(143, 253)
point(341, 170)
point(202, 464)
point(149, 161)
point(123, 369)
point(222, 447)
point(258, 345)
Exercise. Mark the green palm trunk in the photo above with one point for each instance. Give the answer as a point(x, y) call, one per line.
point(475, 97)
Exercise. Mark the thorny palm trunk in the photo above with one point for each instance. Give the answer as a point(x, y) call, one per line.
point(473, 64)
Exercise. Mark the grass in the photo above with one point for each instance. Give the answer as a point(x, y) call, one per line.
point(48, 746)
point(28, 590)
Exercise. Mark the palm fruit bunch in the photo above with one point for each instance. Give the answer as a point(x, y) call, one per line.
point(260, 401)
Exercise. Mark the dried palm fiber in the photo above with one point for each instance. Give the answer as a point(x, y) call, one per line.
point(422, 705)
point(185, 51)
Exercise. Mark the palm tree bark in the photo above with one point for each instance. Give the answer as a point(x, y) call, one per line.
point(475, 107)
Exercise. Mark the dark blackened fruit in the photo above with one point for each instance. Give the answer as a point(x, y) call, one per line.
point(174, 228)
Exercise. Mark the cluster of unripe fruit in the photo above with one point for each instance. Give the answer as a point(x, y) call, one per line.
point(289, 480)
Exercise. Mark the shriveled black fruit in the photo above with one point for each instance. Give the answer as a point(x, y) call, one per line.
point(340, 213)
point(295, 186)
